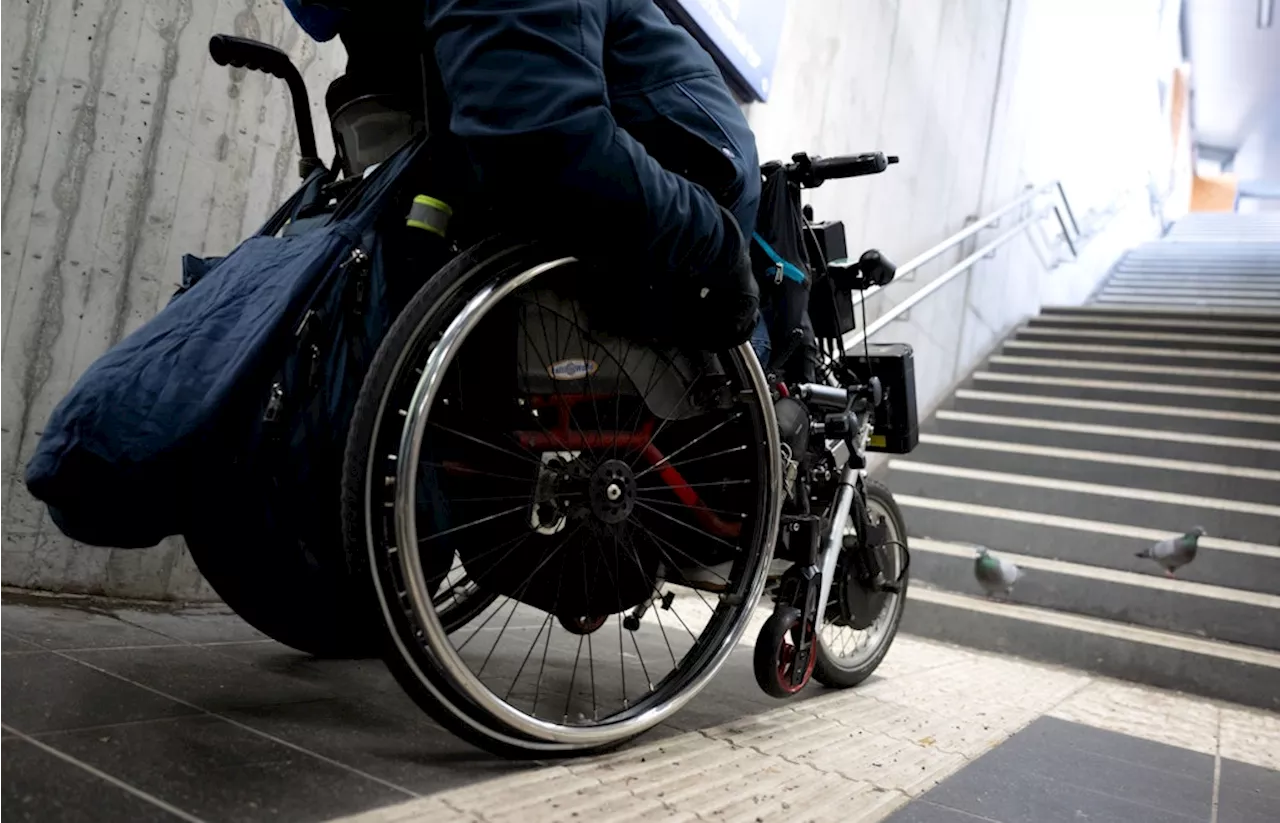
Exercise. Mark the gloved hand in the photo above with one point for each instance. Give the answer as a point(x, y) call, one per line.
point(726, 307)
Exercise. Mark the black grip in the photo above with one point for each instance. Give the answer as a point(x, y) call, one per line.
point(853, 165)
point(243, 53)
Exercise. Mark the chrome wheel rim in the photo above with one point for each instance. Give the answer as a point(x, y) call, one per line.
point(732, 617)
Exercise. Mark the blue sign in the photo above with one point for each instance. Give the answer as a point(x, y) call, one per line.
point(742, 35)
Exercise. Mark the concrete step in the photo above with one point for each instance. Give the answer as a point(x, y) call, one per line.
point(1087, 387)
point(1117, 440)
point(1234, 280)
point(1176, 475)
point(1190, 339)
point(1151, 354)
point(1094, 432)
point(1214, 612)
point(1135, 373)
point(1199, 268)
point(1095, 310)
point(1199, 300)
point(1213, 668)
point(1130, 414)
point(1178, 325)
point(1214, 291)
point(1169, 512)
point(1234, 564)
point(1202, 293)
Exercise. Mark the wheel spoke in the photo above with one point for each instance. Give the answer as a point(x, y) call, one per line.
point(663, 425)
point(657, 615)
point(693, 485)
point(660, 542)
point(702, 532)
point(555, 384)
point(667, 461)
point(455, 467)
point(730, 419)
point(677, 504)
point(555, 387)
point(508, 553)
point(573, 675)
point(488, 519)
point(479, 442)
point(546, 623)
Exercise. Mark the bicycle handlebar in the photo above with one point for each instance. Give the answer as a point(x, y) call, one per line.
point(811, 172)
point(856, 165)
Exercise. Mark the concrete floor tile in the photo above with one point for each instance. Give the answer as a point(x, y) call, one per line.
point(45, 693)
point(217, 771)
point(1251, 736)
point(198, 676)
point(54, 625)
point(1166, 717)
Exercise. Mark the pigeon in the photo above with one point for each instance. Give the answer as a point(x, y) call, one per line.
point(995, 573)
point(1175, 552)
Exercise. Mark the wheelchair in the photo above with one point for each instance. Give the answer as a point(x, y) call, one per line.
point(525, 481)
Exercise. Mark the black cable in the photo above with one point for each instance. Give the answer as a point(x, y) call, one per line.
point(906, 558)
point(866, 345)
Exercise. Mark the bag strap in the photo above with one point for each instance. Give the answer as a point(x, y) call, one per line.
point(361, 205)
point(780, 268)
point(306, 193)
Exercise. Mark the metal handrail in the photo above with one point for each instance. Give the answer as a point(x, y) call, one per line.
point(856, 337)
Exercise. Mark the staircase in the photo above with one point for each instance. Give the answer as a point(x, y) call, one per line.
point(1096, 431)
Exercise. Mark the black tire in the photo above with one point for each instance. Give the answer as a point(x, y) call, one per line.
point(446, 284)
point(773, 658)
point(364, 420)
point(830, 671)
point(292, 601)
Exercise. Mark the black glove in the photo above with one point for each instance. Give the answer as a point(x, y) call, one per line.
point(711, 310)
point(725, 307)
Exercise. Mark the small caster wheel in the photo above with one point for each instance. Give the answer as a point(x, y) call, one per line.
point(581, 625)
point(776, 655)
point(631, 623)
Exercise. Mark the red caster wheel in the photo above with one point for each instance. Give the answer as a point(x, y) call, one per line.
point(581, 625)
point(777, 655)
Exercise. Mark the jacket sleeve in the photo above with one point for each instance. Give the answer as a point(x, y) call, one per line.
point(526, 86)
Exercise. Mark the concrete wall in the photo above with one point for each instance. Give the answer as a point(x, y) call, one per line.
point(1258, 159)
point(980, 98)
point(125, 147)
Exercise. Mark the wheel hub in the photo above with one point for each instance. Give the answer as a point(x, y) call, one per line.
point(612, 491)
point(863, 601)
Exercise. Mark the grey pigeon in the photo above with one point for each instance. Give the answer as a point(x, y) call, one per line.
point(995, 574)
point(1175, 552)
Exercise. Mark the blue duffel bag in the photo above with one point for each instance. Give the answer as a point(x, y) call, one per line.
point(224, 417)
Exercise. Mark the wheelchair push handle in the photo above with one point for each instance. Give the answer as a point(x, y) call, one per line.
point(243, 53)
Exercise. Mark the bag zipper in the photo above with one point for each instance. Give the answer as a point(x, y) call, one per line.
point(304, 333)
point(360, 285)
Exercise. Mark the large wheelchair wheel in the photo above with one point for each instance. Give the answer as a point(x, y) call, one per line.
point(612, 505)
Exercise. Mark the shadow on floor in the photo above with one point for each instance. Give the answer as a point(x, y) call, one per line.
point(196, 709)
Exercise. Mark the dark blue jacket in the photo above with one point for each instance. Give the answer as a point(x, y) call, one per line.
point(600, 123)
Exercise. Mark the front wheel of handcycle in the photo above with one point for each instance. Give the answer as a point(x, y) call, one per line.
point(612, 504)
point(861, 621)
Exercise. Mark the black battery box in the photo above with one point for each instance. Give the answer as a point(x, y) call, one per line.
point(830, 306)
point(896, 429)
